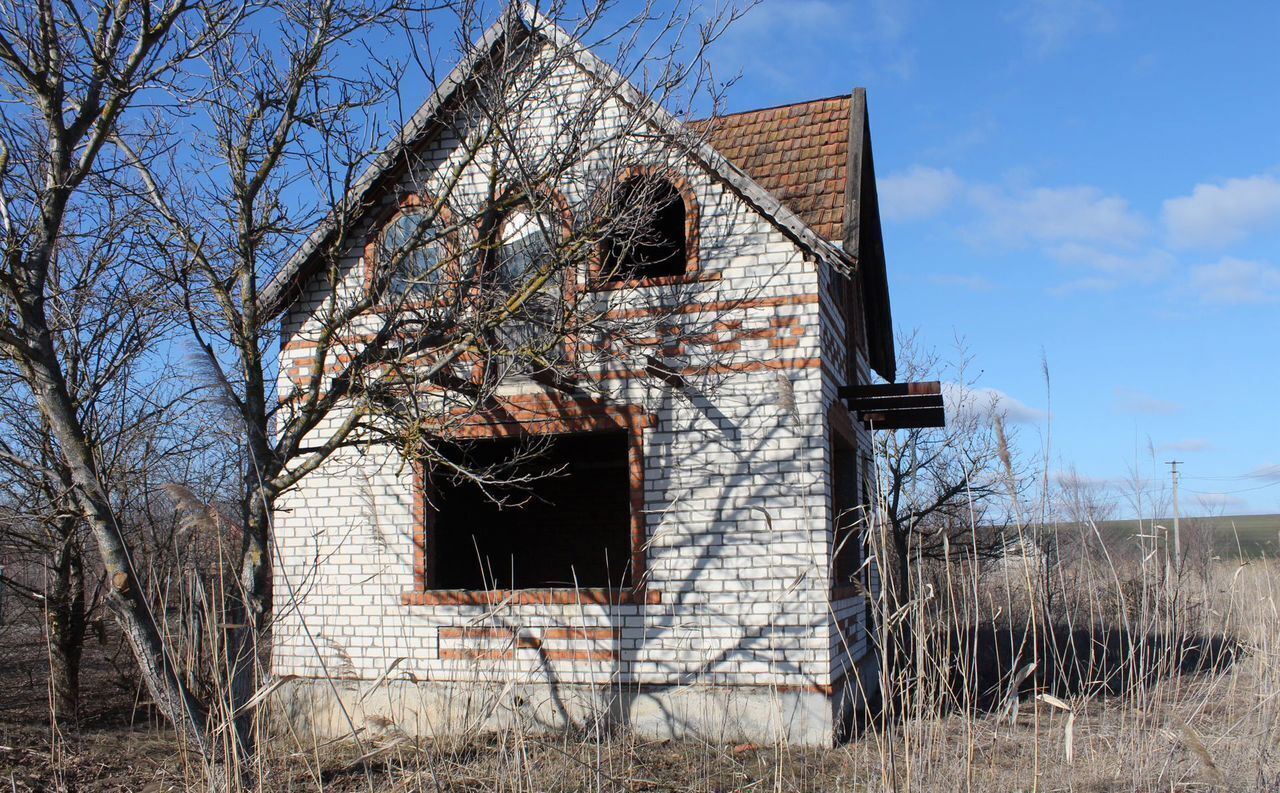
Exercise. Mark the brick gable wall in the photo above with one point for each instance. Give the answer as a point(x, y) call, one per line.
point(733, 503)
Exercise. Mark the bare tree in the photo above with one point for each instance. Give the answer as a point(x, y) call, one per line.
point(477, 290)
point(108, 327)
point(946, 492)
point(70, 76)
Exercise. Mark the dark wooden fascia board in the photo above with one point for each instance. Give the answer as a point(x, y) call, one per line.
point(864, 241)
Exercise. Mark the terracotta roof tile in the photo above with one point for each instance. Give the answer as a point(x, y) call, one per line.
point(799, 153)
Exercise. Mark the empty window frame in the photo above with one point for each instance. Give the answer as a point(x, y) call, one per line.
point(848, 513)
point(522, 264)
point(412, 255)
point(648, 234)
point(567, 525)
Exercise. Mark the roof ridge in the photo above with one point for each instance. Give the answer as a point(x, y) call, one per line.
point(772, 107)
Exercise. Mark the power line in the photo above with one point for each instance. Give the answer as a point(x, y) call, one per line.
point(1229, 492)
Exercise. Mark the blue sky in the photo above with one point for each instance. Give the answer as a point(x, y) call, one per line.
point(1094, 183)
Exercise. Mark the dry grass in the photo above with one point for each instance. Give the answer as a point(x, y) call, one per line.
point(1138, 715)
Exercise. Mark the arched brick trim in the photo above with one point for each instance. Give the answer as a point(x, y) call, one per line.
point(692, 231)
point(410, 202)
point(539, 414)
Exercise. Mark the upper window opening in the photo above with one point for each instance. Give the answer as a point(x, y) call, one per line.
point(523, 249)
point(523, 265)
point(418, 242)
point(648, 237)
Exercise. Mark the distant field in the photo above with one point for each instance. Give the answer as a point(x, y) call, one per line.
point(1234, 536)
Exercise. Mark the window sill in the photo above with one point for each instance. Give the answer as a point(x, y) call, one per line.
point(560, 597)
point(641, 283)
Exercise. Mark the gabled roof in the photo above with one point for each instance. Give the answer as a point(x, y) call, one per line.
point(798, 152)
point(815, 157)
point(283, 288)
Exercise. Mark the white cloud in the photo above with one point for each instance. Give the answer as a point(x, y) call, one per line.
point(1267, 473)
point(1233, 281)
point(1048, 24)
point(962, 400)
point(1217, 502)
point(972, 283)
point(1129, 400)
point(920, 192)
point(1188, 445)
point(1080, 214)
point(1216, 215)
point(1145, 267)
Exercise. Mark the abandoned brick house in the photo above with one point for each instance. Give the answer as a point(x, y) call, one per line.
point(697, 566)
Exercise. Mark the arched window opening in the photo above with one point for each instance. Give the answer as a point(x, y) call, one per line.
point(523, 249)
point(648, 235)
point(419, 247)
point(522, 265)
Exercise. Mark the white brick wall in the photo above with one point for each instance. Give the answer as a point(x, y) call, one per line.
point(735, 497)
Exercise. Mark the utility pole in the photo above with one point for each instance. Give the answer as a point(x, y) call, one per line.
point(1177, 535)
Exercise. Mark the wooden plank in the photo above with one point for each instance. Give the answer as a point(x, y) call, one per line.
point(920, 388)
point(905, 419)
point(853, 178)
point(896, 402)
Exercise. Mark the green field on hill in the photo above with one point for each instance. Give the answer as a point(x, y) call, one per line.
point(1232, 536)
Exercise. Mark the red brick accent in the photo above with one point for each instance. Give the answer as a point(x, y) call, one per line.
point(473, 654)
point(509, 654)
point(582, 634)
point(580, 655)
point(692, 371)
point(524, 597)
point(662, 280)
point(549, 414)
point(524, 639)
point(717, 307)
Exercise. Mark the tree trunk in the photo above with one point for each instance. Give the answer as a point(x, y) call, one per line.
point(65, 620)
point(250, 608)
point(124, 597)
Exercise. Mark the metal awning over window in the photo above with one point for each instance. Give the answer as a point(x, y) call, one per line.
point(896, 406)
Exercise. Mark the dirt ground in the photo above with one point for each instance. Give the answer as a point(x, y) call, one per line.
point(1098, 747)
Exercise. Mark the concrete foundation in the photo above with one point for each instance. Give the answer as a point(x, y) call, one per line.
point(720, 714)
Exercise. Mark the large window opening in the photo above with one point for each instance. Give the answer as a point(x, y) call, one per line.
point(848, 514)
point(648, 235)
point(562, 518)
